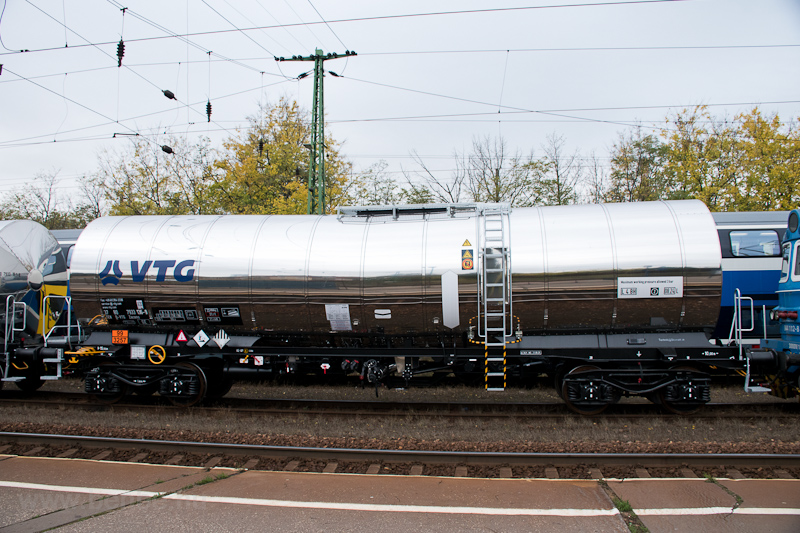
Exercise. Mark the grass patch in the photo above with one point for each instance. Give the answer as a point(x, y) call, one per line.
point(624, 506)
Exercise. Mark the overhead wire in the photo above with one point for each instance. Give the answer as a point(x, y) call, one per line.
point(307, 28)
point(171, 34)
point(144, 115)
point(223, 17)
point(3, 12)
point(101, 50)
point(372, 18)
point(347, 58)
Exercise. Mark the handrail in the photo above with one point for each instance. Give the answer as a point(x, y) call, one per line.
point(68, 326)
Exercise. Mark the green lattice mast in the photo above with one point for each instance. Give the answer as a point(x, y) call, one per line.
point(316, 167)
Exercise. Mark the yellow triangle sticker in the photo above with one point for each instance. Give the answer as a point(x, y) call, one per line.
point(466, 255)
point(466, 243)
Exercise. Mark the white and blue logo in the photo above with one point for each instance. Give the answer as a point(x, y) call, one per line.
point(182, 272)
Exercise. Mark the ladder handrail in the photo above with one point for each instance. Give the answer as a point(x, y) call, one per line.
point(736, 325)
point(69, 325)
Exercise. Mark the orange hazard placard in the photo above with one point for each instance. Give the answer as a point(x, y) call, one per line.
point(119, 336)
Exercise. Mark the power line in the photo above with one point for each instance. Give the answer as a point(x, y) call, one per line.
point(587, 49)
point(553, 112)
point(112, 122)
point(327, 25)
point(373, 18)
point(236, 27)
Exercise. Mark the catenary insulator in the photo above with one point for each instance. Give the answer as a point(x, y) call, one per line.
point(166, 149)
point(120, 52)
point(208, 110)
point(169, 94)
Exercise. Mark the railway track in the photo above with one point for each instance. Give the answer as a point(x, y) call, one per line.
point(415, 462)
point(309, 407)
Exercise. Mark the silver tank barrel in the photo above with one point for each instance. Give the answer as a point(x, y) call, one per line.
point(25, 249)
point(583, 267)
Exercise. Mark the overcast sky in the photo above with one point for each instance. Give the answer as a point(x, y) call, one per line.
point(429, 77)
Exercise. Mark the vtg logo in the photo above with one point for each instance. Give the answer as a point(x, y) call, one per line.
point(181, 272)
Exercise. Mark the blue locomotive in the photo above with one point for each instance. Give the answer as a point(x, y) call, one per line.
point(785, 351)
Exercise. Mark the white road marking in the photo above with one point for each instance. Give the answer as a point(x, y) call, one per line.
point(718, 510)
point(80, 490)
point(698, 511)
point(394, 508)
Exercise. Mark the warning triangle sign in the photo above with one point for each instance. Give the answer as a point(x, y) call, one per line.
point(182, 337)
point(466, 243)
point(466, 255)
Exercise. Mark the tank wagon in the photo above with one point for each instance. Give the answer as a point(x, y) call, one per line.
point(608, 300)
point(32, 272)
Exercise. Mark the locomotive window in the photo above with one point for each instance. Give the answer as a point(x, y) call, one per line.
point(796, 276)
point(785, 263)
point(755, 243)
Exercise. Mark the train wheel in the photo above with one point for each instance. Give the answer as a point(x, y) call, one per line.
point(29, 384)
point(575, 395)
point(103, 387)
point(219, 387)
point(678, 407)
point(185, 386)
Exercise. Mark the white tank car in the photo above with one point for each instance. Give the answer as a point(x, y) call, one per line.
point(407, 269)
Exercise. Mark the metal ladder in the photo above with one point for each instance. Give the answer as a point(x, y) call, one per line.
point(9, 332)
point(495, 291)
point(736, 336)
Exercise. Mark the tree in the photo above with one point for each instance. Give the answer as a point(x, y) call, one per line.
point(636, 168)
point(373, 187)
point(424, 187)
point(770, 163)
point(490, 172)
point(702, 159)
point(596, 181)
point(496, 175)
point(41, 202)
point(264, 169)
point(559, 185)
point(146, 180)
point(750, 163)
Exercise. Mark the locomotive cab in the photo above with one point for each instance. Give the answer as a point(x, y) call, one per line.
point(786, 360)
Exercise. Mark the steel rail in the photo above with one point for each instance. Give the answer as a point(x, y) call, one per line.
point(289, 406)
point(651, 460)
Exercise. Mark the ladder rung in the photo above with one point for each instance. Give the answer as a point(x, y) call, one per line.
point(495, 374)
point(495, 389)
point(494, 314)
point(494, 299)
point(495, 359)
point(494, 284)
